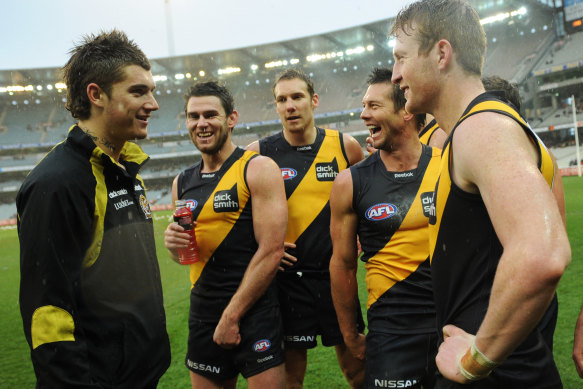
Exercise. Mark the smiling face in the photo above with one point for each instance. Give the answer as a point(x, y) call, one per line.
point(208, 125)
point(414, 72)
point(379, 115)
point(294, 104)
point(129, 104)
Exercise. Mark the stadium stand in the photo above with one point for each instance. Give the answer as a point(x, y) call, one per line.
point(524, 45)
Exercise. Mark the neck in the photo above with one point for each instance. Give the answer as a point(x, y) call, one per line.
point(304, 137)
point(213, 162)
point(448, 109)
point(402, 156)
point(98, 135)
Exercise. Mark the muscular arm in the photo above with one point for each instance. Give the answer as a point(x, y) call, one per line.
point(269, 223)
point(493, 156)
point(343, 264)
point(558, 190)
point(353, 149)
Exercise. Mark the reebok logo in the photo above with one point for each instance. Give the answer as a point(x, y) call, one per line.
point(403, 175)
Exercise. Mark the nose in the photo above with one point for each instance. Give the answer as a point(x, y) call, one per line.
point(364, 114)
point(152, 104)
point(201, 122)
point(289, 105)
point(396, 78)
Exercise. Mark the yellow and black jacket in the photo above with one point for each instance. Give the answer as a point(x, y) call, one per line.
point(393, 210)
point(221, 205)
point(308, 173)
point(90, 291)
point(465, 254)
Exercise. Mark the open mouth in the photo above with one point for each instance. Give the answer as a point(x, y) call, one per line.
point(290, 118)
point(374, 130)
point(143, 118)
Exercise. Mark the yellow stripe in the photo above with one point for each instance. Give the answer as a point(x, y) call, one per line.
point(211, 234)
point(51, 324)
point(409, 245)
point(427, 135)
point(311, 195)
point(100, 209)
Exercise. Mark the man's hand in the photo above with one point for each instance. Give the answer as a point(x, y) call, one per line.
point(456, 342)
point(287, 260)
point(357, 346)
point(369, 145)
point(227, 333)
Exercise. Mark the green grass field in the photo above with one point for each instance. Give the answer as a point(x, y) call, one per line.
point(323, 372)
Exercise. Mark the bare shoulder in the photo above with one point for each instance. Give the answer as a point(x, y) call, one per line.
point(343, 179)
point(353, 149)
point(254, 146)
point(262, 168)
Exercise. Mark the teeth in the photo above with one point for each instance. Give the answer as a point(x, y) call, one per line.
point(204, 134)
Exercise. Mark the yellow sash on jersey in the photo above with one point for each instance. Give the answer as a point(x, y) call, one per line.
point(311, 195)
point(211, 230)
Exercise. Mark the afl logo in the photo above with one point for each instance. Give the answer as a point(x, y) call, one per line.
point(191, 204)
point(288, 173)
point(381, 211)
point(261, 345)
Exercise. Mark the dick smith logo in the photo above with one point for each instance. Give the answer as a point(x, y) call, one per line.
point(288, 173)
point(327, 171)
point(226, 200)
point(428, 204)
point(381, 211)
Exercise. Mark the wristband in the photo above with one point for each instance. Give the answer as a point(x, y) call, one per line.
point(479, 357)
point(467, 375)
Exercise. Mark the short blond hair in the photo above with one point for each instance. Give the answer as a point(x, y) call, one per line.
point(453, 20)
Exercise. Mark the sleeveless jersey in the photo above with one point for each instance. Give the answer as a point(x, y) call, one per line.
point(427, 132)
point(393, 211)
point(308, 173)
point(221, 205)
point(466, 251)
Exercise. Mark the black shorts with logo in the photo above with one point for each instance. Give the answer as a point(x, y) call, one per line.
point(400, 360)
point(261, 346)
point(307, 310)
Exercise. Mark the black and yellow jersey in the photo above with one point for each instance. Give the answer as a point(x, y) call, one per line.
point(90, 291)
point(308, 173)
point(393, 210)
point(427, 132)
point(466, 251)
point(221, 205)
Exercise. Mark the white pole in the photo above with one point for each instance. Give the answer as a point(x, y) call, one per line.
point(578, 156)
point(169, 28)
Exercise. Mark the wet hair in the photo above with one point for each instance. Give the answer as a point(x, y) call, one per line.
point(496, 83)
point(293, 73)
point(453, 20)
point(384, 75)
point(212, 88)
point(99, 59)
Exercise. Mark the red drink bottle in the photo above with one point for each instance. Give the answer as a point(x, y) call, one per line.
point(183, 217)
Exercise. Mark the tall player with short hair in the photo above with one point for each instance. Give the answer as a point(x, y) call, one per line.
point(309, 158)
point(238, 203)
point(498, 244)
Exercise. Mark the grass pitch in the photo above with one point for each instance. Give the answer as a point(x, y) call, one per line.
point(322, 372)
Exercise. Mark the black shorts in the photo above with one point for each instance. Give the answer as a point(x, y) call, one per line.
point(400, 361)
point(307, 311)
point(261, 346)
